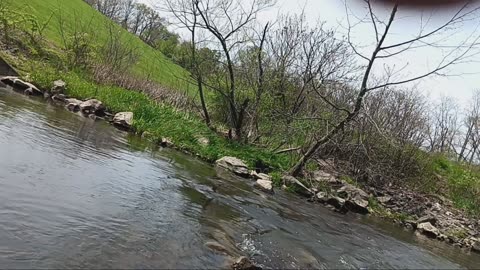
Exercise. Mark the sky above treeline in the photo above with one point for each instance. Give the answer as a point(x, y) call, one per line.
point(460, 86)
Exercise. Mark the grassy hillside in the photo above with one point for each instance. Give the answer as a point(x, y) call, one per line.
point(76, 14)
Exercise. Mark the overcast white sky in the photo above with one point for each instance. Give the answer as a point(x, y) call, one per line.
point(333, 13)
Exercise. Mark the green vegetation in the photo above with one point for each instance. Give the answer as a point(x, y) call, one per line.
point(159, 120)
point(79, 17)
point(376, 208)
point(461, 183)
point(46, 55)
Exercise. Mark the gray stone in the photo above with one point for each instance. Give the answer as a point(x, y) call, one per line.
point(428, 229)
point(234, 165)
point(123, 120)
point(351, 191)
point(19, 84)
point(262, 176)
point(436, 207)
point(73, 104)
point(321, 197)
point(166, 142)
point(94, 106)
point(59, 97)
point(428, 218)
point(58, 87)
point(322, 176)
point(357, 205)
point(264, 185)
point(337, 202)
point(384, 199)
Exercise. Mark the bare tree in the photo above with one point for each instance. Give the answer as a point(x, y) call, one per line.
point(471, 122)
point(187, 15)
point(443, 129)
point(382, 50)
point(225, 19)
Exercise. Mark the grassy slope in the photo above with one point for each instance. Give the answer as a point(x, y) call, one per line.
point(77, 13)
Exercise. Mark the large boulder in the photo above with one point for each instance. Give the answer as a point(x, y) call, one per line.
point(428, 229)
point(357, 205)
point(351, 191)
point(264, 185)
point(92, 106)
point(58, 87)
point(73, 104)
point(123, 120)
point(235, 165)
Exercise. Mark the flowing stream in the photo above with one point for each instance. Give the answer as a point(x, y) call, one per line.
point(75, 193)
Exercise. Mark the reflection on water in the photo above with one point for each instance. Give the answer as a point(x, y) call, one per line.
point(78, 193)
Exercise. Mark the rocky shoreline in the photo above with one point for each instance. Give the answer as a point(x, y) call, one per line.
point(430, 215)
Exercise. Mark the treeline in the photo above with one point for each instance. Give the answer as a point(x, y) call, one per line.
point(139, 19)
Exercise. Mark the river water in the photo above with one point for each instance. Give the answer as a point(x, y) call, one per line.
point(75, 193)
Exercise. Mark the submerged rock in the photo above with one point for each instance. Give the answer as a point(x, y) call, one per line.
point(243, 263)
point(123, 120)
point(264, 185)
point(73, 104)
point(428, 229)
point(233, 164)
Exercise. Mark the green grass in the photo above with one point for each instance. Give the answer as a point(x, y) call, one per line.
point(461, 183)
point(77, 14)
point(159, 120)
